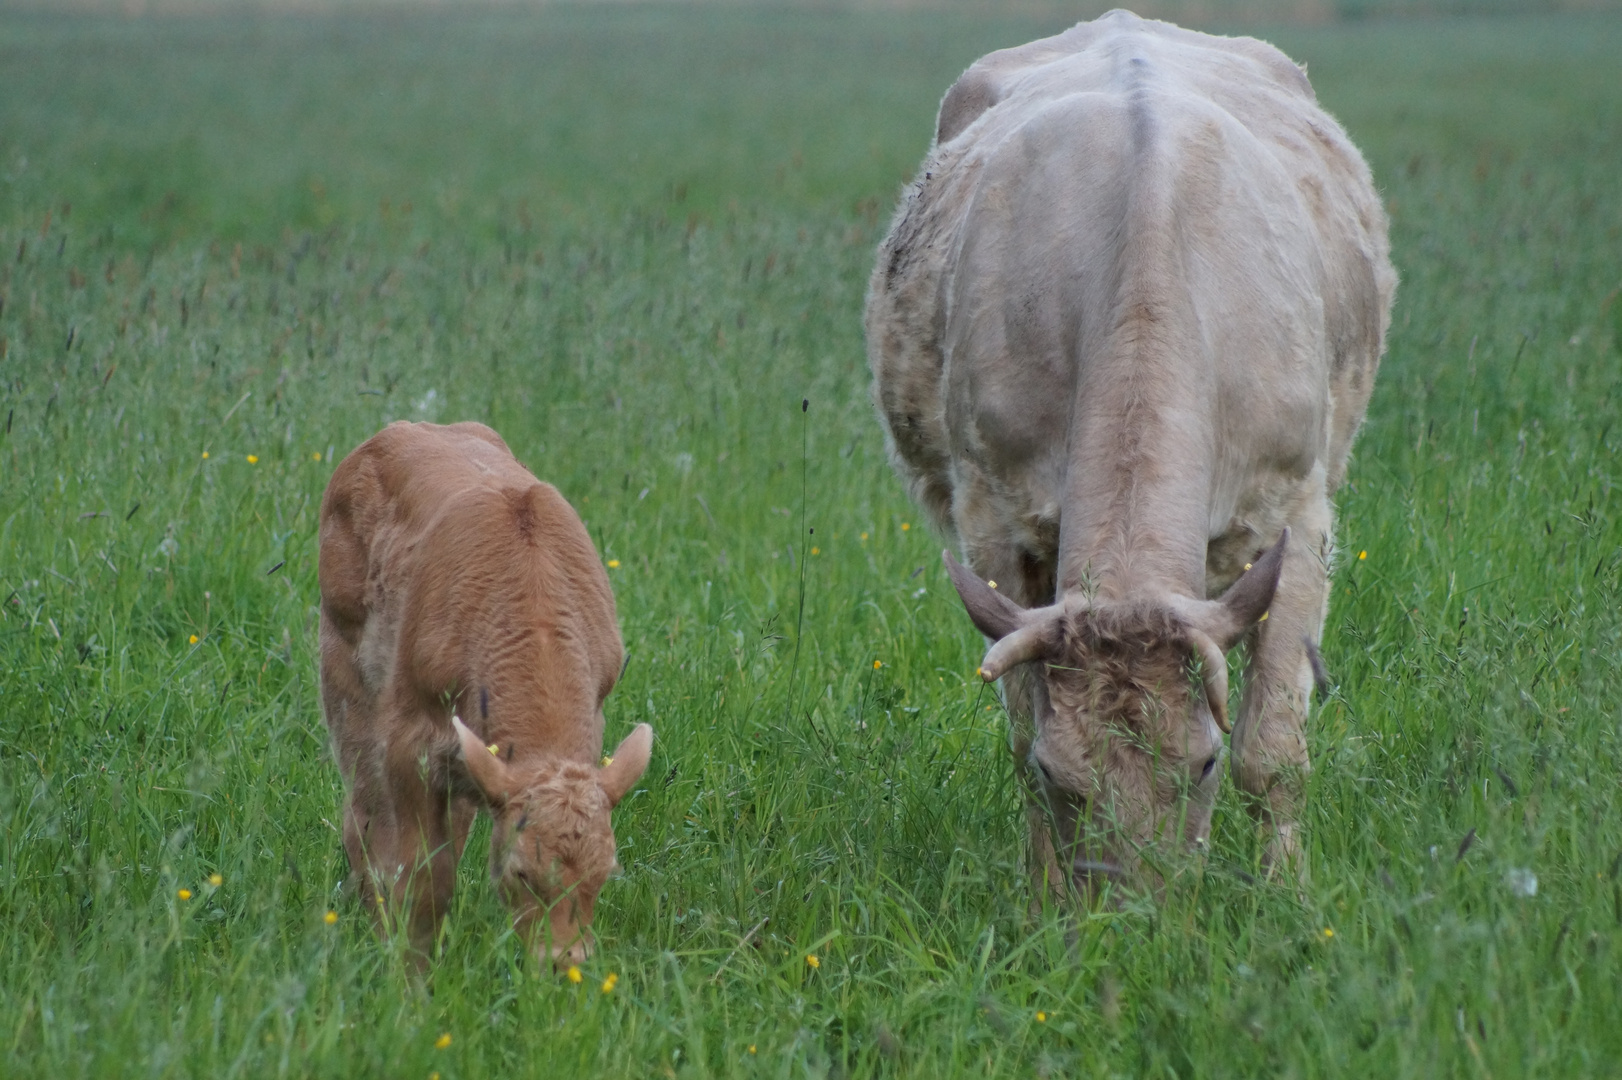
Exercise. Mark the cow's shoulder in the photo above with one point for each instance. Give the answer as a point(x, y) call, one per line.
point(990, 79)
point(1088, 57)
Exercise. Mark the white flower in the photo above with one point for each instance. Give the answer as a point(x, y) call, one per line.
point(168, 546)
point(1521, 882)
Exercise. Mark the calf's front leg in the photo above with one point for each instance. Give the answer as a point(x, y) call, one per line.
point(403, 844)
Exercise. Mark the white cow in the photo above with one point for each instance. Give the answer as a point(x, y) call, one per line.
point(1123, 331)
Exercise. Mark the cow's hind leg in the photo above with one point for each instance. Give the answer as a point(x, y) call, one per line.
point(1270, 761)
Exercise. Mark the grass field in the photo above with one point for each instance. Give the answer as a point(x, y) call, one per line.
point(634, 240)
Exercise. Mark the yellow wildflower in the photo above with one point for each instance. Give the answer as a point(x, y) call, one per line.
point(816, 551)
point(253, 459)
point(610, 982)
point(330, 918)
point(1328, 932)
point(192, 640)
point(316, 456)
point(864, 535)
point(1041, 1017)
point(751, 1048)
point(205, 455)
point(905, 526)
point(877, 664)
point(1361, 555)
point(811, 958)
point(574, 974)
point(443, 1041)
point(216, 880)
point(184, 894)
point(613, 564)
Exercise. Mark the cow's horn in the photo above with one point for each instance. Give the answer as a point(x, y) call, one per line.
point(486, 770)
point(1214, 673)
point(1033, 641)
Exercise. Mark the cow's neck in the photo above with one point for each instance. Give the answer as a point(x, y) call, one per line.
point(539, 709)
point(1136, 509)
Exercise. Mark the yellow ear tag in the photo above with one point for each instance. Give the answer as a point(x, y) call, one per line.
point(993, 584)
point(1263, 618)
point(495, 749)
point(607, 761)
point(1247, 566)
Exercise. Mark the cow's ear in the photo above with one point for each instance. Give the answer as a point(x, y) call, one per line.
point(1248, 599)
point(627, 764)
point(489, 773)
point(992, 613)
point(1227, 619)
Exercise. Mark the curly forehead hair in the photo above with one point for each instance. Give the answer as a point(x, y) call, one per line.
point(571, 809)
point(1120, 659)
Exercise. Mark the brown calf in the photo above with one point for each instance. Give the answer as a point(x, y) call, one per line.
point(455, 586)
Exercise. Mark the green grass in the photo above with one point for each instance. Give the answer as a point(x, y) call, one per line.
point(634, 240)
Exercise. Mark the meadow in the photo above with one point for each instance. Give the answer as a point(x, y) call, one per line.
point(635, 241)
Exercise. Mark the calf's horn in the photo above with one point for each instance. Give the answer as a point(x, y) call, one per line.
point(488, 772)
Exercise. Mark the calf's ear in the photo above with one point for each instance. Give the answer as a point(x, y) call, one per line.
point(488, 771)
point(627, 764)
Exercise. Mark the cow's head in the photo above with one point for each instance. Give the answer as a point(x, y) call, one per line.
point(1131, 702)
point(552, 847)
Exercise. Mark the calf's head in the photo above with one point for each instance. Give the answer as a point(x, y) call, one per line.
point(551, 847)
point(1131, 700)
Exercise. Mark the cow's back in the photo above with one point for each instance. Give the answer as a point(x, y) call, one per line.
point(393, 483)
point(446, 565)
point(1045, 138)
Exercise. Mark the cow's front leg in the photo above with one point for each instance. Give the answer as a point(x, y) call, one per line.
point(424, 874)
point(403, 843)
point(1022, 692)
point(1269, 742)
point(1028, 580)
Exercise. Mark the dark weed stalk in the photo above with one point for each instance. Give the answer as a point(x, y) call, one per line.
point(799, 616)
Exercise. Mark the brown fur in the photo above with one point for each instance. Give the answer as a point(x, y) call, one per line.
point(455, 584)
